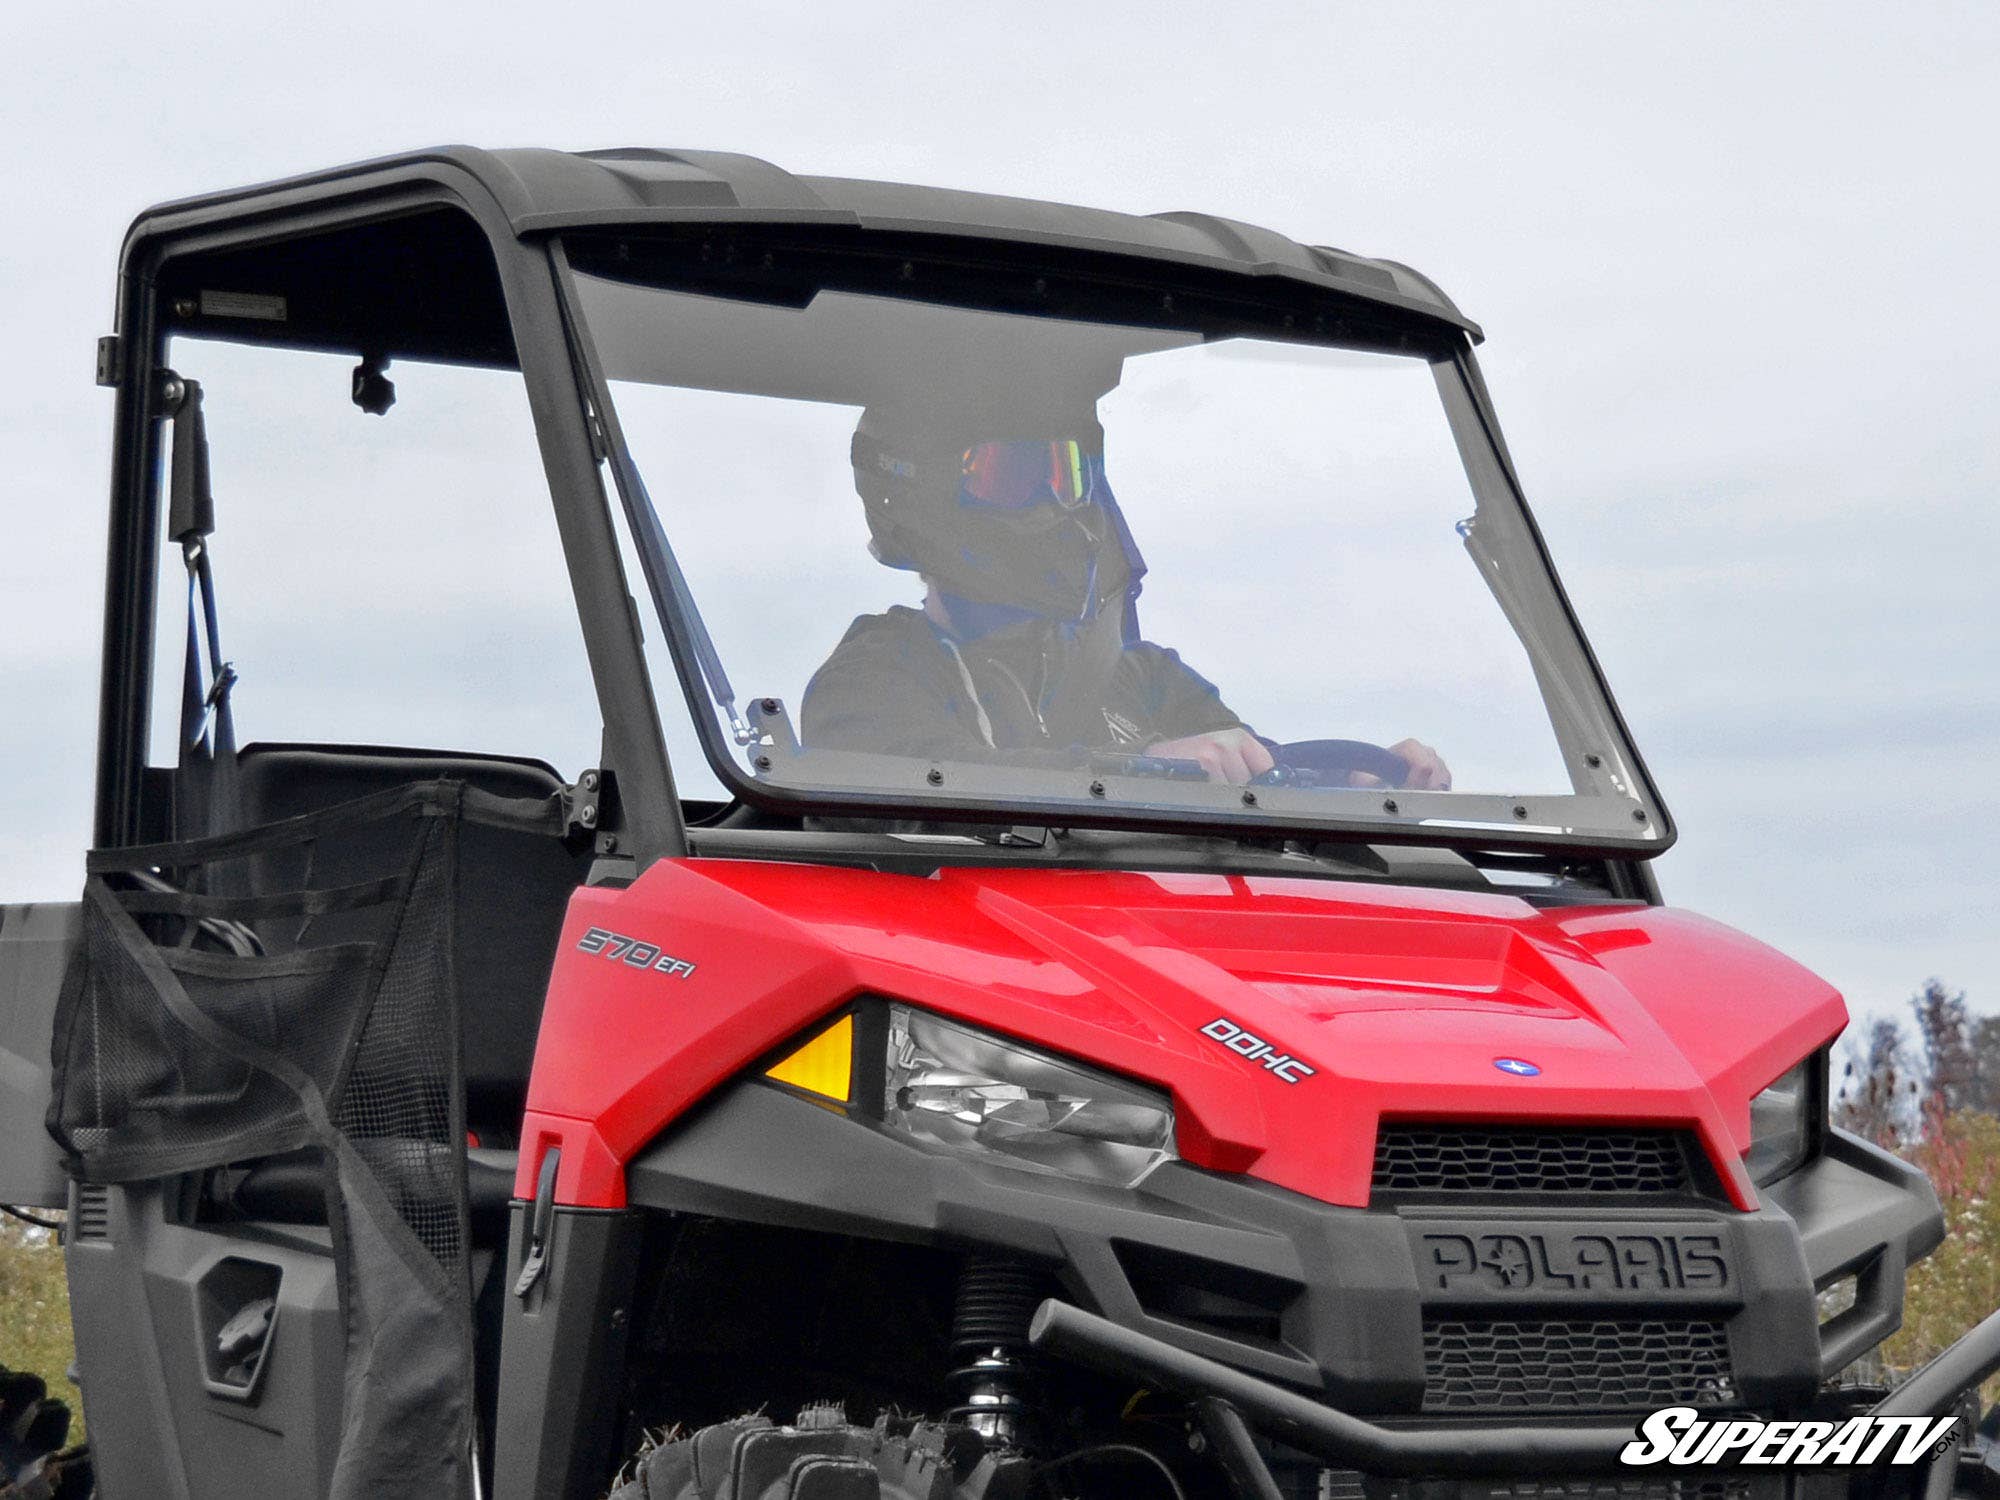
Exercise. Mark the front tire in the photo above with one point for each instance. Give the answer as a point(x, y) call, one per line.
point(33, 1429)
point(824, 1457)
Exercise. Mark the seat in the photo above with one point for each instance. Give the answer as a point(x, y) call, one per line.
point(512, 892)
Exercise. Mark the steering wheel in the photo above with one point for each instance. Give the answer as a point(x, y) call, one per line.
point(1330, 763)
point(1309, 764)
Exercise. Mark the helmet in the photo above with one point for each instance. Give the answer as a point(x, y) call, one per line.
point(1009, 512)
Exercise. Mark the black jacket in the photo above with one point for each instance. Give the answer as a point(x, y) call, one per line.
point(899, 684)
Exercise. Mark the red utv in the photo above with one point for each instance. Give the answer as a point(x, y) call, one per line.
point(1140, 975)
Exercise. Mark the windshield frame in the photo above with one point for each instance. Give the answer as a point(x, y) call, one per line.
point(1615, 827)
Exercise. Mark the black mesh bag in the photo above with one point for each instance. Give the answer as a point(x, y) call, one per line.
point(319, 1013)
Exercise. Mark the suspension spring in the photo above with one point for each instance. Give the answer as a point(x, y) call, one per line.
point(994, 1380)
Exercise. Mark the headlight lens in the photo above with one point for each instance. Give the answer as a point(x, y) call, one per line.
point(1782, 1124)
point(977, 1094)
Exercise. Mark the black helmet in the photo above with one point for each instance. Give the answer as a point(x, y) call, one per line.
point(1013, 511)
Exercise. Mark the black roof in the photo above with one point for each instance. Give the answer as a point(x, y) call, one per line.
point(538, 191)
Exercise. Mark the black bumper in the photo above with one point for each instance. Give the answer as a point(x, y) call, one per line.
point(1410, 1311)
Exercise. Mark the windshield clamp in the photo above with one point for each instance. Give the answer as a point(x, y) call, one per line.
point(591, 806)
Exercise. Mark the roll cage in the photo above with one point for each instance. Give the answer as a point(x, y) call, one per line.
point(459, 255)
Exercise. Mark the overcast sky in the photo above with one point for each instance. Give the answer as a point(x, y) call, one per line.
point(1736, 266)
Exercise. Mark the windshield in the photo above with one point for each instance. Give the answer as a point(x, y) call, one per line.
point(918, 557)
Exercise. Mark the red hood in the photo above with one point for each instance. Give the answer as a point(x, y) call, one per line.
point(1398, 1000)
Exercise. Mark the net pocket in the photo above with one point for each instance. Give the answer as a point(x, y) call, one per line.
point(215, 1021)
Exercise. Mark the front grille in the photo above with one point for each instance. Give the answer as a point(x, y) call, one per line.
point(1599, 1364)
point(1531, 1159)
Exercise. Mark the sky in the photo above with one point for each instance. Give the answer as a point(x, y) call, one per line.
point(1735, 265)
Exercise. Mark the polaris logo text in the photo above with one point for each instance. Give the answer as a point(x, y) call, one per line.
point(622, 949)
point(1680, 1435)
point(1243, 1044)
point(1578, 1262)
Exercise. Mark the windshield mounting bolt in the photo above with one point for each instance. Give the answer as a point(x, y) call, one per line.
point(1249, 799)
point(1097, 789)
point(1520, 811)
point(769, 705)
point(184, 307)
point(934, 776)
point(763, 762)
point(1638, 815)
point(1389, 804)
point(1593, 760)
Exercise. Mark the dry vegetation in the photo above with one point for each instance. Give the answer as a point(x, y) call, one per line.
point(1960, 1283)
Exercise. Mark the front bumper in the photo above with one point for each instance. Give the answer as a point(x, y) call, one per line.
point(1369, 1316)
point(1230, 1405)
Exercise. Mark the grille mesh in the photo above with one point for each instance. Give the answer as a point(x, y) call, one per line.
point(1500, 1159)
point(1575, 1365)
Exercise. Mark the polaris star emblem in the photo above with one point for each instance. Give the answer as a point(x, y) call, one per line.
point(1519, 1067)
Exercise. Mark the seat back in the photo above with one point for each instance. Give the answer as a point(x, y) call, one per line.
point(513, 889)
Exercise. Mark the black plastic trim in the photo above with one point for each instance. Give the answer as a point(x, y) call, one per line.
point(1353, 1332)
point(562, 1356)
point(1864, 1213)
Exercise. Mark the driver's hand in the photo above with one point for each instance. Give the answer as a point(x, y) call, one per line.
point(1232, 755)
point(1428, 772)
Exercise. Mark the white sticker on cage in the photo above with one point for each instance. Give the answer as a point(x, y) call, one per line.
point(258, 305)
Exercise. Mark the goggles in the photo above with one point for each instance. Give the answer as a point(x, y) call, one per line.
point(1022, 475)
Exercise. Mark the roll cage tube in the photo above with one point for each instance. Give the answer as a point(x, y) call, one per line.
point(700, 674)
point(696, 661)
point(653, 825)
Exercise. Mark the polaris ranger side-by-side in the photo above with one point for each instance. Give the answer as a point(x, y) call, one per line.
point(1140, 977)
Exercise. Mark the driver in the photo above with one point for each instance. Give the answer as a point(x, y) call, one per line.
point(1028, 636)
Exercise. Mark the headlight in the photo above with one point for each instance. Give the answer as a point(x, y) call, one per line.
point(1783, 1124)
point(979, 1095)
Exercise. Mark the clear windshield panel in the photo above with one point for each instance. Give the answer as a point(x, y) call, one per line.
point(928, 553)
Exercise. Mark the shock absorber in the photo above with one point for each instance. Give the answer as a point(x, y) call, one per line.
point(997, 1297)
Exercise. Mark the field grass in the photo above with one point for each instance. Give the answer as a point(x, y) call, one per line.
point(34, 1312)
point(1960, 1282)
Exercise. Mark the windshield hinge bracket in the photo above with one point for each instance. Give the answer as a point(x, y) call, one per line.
point(591, 806)
point(110, 360)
